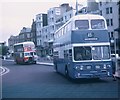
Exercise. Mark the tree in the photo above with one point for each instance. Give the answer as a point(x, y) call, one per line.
point(3, 50)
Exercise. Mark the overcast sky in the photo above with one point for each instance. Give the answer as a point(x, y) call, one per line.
point(16, 14)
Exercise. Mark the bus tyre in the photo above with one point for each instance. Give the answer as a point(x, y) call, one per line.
point(66, 73)
point(56, 68)
point(34, 62)
point(16, 62)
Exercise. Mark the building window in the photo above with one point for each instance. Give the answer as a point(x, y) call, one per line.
point(107, 20)
point(112, 35)
point(100, 3)
point(109, 34)
point(110, 9)
point(28, 35)
point(52, 27)
point(111, 22)
point(100, 12)
point(40, 42)
point(70, 15)
point(65, 18)
point(107, 10)
point(52, 12)
point(52, 19)
point(107, 1)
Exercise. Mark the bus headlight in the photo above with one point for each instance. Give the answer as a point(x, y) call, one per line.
point(79, 67)
point(108, 66)
point(104, 66)
point(97, 67)
point(89, 67)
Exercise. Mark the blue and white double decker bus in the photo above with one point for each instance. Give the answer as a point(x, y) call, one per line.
point(81, 48)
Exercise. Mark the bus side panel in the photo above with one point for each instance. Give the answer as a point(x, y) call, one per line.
point(18, 57)
point(62, 64)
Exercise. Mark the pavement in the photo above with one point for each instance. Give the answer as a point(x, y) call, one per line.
point(117, 74)
point(45, 61)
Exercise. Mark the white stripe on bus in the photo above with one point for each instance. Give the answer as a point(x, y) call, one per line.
point(91, 44)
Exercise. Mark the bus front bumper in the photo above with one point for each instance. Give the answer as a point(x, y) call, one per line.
point(93, 74)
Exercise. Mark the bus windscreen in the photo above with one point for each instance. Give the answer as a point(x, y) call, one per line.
point(91, 53)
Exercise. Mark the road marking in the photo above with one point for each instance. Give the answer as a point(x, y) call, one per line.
point(9, 60)
point(3, 70)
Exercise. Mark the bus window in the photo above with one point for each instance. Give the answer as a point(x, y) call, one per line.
point(96, 53)
point(106, 53)
point(21, 55)
point(31, 53)
point(70, 53)
point(100, 53)
point(35, 53)
point(65, 53)
point(81, 24)
point(26, 54)
point(82, 53)
point(98, 24)
point(18, 48)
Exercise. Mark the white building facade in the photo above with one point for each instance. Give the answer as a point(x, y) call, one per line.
point(53, 14)
point(109, 9)
point(41, 22)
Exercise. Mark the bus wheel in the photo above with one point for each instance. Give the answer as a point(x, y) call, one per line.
point(34, 62)
point(56, 68)
point(66, 72)
point(16, 62)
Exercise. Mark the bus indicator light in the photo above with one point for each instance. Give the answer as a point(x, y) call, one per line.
point(97, 67)
point(88, 67)
point(105, 66)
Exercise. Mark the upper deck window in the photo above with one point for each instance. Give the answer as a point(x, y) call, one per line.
point(98, 24)
point(81, 24)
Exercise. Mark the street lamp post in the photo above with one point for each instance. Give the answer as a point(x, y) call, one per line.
point(76, 7)
point(115, 47)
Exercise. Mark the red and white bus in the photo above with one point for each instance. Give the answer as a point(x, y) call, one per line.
point(25, 52)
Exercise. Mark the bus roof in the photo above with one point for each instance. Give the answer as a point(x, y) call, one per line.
point(83, 17)
point(24, 43)
point(87, 16)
